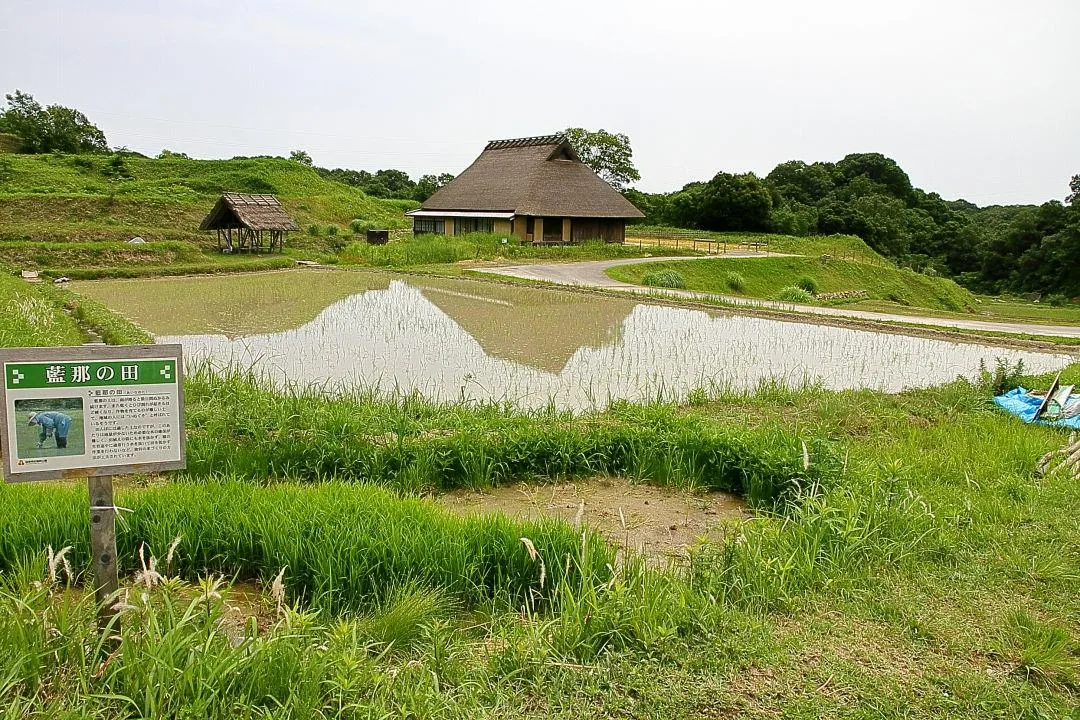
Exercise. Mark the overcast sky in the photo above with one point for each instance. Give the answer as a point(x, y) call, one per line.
point(977, 99)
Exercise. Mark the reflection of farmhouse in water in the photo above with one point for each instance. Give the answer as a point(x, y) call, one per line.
point(451, 340)
point(541, 329)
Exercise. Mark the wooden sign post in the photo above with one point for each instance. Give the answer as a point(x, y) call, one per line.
point(95, 412)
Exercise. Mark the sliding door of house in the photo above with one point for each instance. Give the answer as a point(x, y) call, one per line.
point(474, 225)
point(553, 230)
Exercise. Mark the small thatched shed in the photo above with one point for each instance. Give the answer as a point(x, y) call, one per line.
point(241, 219)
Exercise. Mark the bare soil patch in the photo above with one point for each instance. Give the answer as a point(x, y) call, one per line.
point(660, 522)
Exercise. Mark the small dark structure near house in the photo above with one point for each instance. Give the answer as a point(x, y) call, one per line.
point(378, 237)
point(241, 221)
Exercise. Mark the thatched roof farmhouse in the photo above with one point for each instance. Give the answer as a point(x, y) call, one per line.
point(536, 189)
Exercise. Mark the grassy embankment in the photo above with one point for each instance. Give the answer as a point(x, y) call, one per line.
point(83, 202)
point(72, 215)
point(767, 277)
point(852, 266)
point(917, 568)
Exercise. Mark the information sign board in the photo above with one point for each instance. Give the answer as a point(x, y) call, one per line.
point(91, 411)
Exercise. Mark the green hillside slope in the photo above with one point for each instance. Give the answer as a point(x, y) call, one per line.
point(766, 277)
point(96, 197)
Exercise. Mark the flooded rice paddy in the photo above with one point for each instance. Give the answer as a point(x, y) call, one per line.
point(454, 340)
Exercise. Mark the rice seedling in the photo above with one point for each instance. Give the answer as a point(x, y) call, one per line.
point(238, 426)
point(344, 546)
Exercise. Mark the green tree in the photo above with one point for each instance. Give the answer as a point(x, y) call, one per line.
point(608, 154)
point(428, 184)
point(50, 129)
point(1074, 191)
point(301, 156)
point(805, 184)
point(397, 182)
point(880, 169)
point(727, 202)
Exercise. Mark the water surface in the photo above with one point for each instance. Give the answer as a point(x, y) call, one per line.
point(458, 339)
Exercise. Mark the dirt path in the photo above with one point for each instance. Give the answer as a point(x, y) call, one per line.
point(592, 274)
point(660, 522)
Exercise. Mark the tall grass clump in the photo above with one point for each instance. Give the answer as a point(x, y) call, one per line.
point(181, 650)
point(664, 279)
point(827, 537)
point(808, 284)
point(237, 426)
point(795, 295)
point(734, 281)
point(345, 546)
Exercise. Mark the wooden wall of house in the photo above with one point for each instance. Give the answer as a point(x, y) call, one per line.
point(608, 230)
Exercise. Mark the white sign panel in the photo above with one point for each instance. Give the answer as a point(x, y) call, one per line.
point(91, 410)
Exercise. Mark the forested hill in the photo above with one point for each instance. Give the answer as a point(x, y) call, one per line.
point(992, 249)
point(114, 197)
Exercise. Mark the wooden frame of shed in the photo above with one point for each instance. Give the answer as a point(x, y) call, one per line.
point(241, 219)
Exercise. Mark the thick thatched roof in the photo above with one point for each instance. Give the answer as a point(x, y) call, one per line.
point(255, 212)
point(539, 176)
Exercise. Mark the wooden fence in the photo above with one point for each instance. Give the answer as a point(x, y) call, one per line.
point(690, 239)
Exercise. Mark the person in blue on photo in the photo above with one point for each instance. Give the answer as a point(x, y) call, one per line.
point(54, 424)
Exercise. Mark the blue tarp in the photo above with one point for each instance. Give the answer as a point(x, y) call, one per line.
point(1023, 406)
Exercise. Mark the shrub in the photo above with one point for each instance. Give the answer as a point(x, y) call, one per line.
point(313, 230)
point(360, 227)
point(808, 284)
point(664, 279)
point(896, 294)
point(795, 295)
point(1057, 300)
point(735, 282)
point(331, 230)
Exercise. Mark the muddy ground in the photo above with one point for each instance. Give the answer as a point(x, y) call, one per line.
point(661, 522)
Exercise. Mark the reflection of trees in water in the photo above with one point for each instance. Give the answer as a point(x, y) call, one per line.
point(399, 340)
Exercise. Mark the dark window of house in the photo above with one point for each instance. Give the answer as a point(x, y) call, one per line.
point(473, 225)
point(428, 225)
point(530, 225)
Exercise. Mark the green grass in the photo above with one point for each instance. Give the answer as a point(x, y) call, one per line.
point(66, 198)
point(236, 426)
point(766, 277)
point(346, 547)
point(991, 309)
point(838, 246)
point(918, 568)
point(934, 579)
point(30, 318)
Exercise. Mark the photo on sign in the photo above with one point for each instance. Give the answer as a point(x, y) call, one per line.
point(49, 427)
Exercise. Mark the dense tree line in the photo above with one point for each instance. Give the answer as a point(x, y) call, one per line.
point(388, 183)
point(994, 249)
